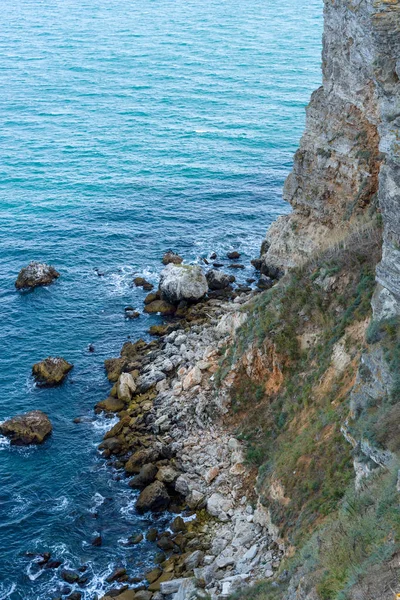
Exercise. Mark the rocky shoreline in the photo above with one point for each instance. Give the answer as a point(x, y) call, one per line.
point(171, 439)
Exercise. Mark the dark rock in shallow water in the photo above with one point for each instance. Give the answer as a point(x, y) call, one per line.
point(152, 535)
point(91, 348)
point(213, 256)
point(217, 280)
point(140, 458)
point(69, 576)
point(53, 564)
point(171, 257)
point(131, 313)
point(29, 428)
point(136, 539)
point(42, 559)
point(236, 266)
point(75, 596)
point(36, 274)
point(257, 263)
point(97, 541)
point(154, 497)
point(143, 283)
point(165, 329)
point(51, 371)
point(152, 297)
point(233, 255)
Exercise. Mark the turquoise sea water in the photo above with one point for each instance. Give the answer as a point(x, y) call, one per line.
point(126, 128)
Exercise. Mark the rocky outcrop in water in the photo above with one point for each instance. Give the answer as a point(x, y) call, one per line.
point(171, 257)
point(36, 274)
point(30, 428)
point(52, 371)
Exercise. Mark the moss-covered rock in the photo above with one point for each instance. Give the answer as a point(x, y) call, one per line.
point(110, 404)
point(160, 306)
point(51, 371)
point(114, 367)
point(30, 428)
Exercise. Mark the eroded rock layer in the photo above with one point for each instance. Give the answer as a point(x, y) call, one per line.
point(348, 160)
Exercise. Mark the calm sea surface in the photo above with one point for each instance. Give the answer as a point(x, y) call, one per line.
point(126, 128)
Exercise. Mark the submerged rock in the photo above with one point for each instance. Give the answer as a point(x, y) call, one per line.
point(36, 274)
point(154, 497)
point(183, 283)
point(51, 371)
point(29, 428)
point(69, 576)
point(131, 313)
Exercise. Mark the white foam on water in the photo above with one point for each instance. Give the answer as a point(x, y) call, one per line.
point(98, 500)
point(33, 576)
point(61, 504)
point(129, 508)
point(6, 593)
point(21, 505)
point(4, 445)
point(102, 424)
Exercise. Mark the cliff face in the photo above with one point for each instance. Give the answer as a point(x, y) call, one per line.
point(314, 372)
point(348, 160)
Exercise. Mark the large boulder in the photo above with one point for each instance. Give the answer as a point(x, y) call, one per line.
point(51, 371)
point(217, 280)
point(183, 282)
point(29, 428)
point(154, 497)
point(35, 274)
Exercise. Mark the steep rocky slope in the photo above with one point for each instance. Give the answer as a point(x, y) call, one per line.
point(313, 374)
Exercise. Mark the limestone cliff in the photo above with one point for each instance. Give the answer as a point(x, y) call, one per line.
point(348, 160)
point(314, 373)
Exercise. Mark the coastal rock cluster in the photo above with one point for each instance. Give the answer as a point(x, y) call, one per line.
point(171, 441)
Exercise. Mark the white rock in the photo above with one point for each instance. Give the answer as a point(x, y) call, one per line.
point(187, 590)
point(225, 561)
point(170, 587)
point(251, 553)
point(126, 387)
point(231, 322)
point(182, 282)
point(218, 506)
